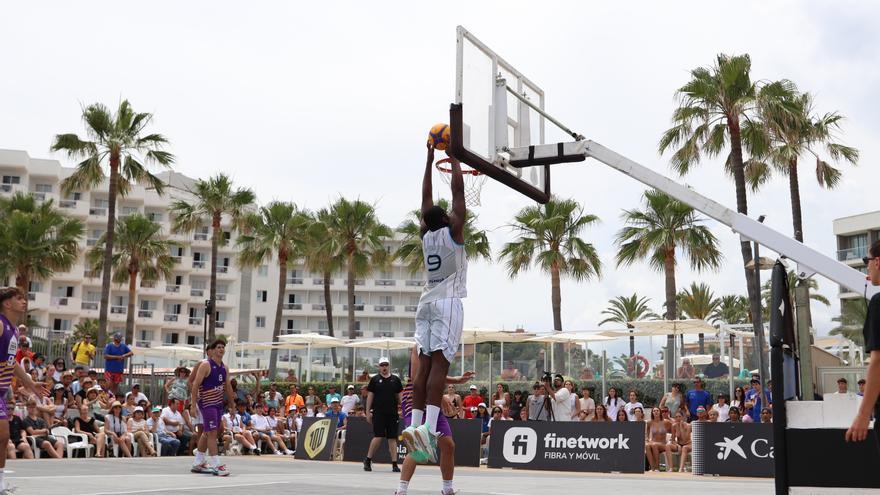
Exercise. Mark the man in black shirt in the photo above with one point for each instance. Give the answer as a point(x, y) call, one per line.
point(382, 399)
point(17, 442)
point(716, 369)
point(859, 429)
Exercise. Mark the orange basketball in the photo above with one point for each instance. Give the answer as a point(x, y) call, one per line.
point(439, 136)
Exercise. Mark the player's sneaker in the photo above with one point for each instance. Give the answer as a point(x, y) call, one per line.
point(453, 492)
point(408, 436)
point(221, 470)
point(427, 442)
point(202, 468)
point(418, 456)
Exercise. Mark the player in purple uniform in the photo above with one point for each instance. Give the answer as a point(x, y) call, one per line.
point(13, 306)
point(444, 442)
point(209, 385)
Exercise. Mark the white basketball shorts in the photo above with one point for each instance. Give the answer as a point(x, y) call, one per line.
point(438, 326)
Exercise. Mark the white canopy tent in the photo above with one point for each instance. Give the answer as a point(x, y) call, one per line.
point(386, 343)
point(478, 335)
point(570, 338)
point(311, 341)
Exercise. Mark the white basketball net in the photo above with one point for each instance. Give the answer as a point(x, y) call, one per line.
point(473, 181)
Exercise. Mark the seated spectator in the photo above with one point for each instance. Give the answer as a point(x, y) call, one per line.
point(273, 397)
point(233, 430)
point(58, 369)
point(18, 440)
point(842, 388)
point(129, 405)
point(622, 416)
point(137, 426)
point(168, 443)
point(116, 429)
point(177, 387)
point(364, 377)
point(85, 424)
point(264, 432)
point(24, 351)
point(601, 414)
point(656, 439)
point(336, 412)
point(274, 427)
point(734, 416)
point(452, 403)
point(697, 397)
point(358, 412)
point(686, 370)
point(681, 441)
point(36, 427)
point(349, 400)
point(766, 415)
point(633, 403)
point(138, 395)
point(288, 437)
point(716, 369)
point(59, 403)
point(861, 384)
point(722, 407)
point(483, 415)
point(501, 397)
point(312, 400)
point(739, 399)
point(674, 400)
point(510, 373)
point(295, 422)
point(331, 394)
point(587, 405)
point(712, 416)
point(612, 403)
point(96, 404)
point(523, 415)
point(639, 414)
point(471, 402)
point(701, 414)
point(39, 366)
point(174, 423)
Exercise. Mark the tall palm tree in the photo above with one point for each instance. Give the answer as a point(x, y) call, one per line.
point(120, 142)
point(717, 109)
point(623, 310)
point(476, 242)
point(36, 239)
point(358, 235)
point(732, 309)
point(793, 280)
point(658, 233)
point(212, 199)
point(140, 249)
point(698, 302)
point(852, 318)
point(548, 236)
point(277, 232)
point(322, 255)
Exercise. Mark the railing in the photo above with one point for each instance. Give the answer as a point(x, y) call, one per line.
point(294, 281)
point(222, 269)
point(118, 310)
point(59, 301)
point(145, 313)
point(67, 203)
point(170, 317)
point(172, 289)
point(39, 196)
point(291, 306)
point(320, 281)
point(357, 307)
point(143, 343)
point(154, 217)
point(98, 212)
point(90, 305)
point(385, 282)
point(7, 188)
point(410, 309)
point(221, 297)
point(148, 284)
point(199, 264)
point(200, 236)
point(415, 283)
point(176, 259)
point(197, 292)
point(195, 321)
point(852, 253)
point(90, 273)
point(219, 324)
point(383, 307)
point(319, 307)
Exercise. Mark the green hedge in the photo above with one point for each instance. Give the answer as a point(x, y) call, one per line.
point(650, 391)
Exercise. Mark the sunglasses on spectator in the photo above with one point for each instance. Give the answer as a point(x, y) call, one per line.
point(384, 364)
point(867, 259)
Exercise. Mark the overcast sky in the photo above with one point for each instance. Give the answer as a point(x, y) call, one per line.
point(309, 101)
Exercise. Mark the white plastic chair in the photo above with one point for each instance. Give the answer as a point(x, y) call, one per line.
point(37, 450)
point(339, 445)
point(83, 444)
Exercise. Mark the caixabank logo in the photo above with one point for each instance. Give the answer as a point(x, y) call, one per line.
point(520, 445)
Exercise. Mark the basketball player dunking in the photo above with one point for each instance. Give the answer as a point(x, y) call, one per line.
point(210, 383)
point(439, 317)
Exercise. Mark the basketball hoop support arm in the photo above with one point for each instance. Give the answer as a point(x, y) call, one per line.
point(546, 115)
point(807, 258)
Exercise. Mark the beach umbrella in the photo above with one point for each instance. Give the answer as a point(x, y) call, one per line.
point(571, 338)
point(386, 344)
point(311, 341)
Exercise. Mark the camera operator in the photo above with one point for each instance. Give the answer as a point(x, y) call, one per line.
point(537, 408)
point(559, 397)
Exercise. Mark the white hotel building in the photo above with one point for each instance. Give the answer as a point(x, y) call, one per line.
point(172, 311)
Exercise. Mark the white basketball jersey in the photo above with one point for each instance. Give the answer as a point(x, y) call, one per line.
point(446, 266)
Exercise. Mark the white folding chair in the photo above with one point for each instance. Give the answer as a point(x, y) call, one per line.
point(37, 450)
point(83, 444)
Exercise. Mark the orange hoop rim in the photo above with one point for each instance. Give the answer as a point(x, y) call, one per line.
point(448, 169)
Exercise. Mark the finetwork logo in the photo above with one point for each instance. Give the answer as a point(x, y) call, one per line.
point(520, 445)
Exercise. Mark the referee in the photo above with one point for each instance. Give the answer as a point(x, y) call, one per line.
point(382, 399)
point(870, 404)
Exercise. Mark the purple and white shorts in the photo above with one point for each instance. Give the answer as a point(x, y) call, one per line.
point(211, 416)
point(442, 425)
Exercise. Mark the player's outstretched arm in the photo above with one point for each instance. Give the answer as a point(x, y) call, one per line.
point(459, 212)
point(458, 380)
point(427, 193)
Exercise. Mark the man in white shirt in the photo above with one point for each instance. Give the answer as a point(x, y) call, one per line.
point(349, 400)
point(170, 445)
point(842, 388)
point(560, 399)
point(138, 395)
point(172, 422)
point(273, 397)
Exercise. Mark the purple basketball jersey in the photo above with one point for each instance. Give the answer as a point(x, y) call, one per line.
point(8, 348)
point(211, 390)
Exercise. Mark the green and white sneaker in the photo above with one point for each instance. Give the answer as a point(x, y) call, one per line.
point(202, 468)
point(428, 442)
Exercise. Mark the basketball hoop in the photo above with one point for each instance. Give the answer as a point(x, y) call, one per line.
point(473, 180)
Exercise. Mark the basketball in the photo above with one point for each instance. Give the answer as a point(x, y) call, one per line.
point(439, 136)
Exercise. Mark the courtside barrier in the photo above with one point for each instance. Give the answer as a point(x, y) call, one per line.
point(733, 449)
point(465, 434)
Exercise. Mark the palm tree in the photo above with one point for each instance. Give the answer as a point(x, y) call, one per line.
point(277, 231)
point(717, 107)
point(624, 309)
point(549, 237)
point(140, 249)
point(664, 228)
point(120, 142)
point(87, 326)
point(476, 242)
point(698, 302)
point(36, 239)
point(732, 309)
point(213, 198)
point(812, 286)
point(852, 318)
point(358, 236)
point(322, 256)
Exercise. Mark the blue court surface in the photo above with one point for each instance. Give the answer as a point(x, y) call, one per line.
point(270, 475)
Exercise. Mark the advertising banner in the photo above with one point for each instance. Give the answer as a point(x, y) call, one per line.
point(734, 449)
point(315, 441)
point(568, 446)
point(465, 434)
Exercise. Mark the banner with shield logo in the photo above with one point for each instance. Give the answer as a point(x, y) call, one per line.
point(315, 441)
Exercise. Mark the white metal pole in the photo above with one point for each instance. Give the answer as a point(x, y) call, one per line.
point(354, 354)
point(740, 342)
point(462, 357)
point(501, 361)
point(309, 357)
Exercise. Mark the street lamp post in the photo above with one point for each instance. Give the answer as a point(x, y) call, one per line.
point(757, 323)
point(208, 307)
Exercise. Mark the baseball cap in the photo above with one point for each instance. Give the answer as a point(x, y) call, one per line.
point(57, 386)
point(138, 408)
point(157, 409)
point(701, 408)
point(96, 388)
point(384, 360)
point(117, 336)
point(473, 387)
point(481, 404)
point(350, 387)
point(292, 407)
point(335, 399)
